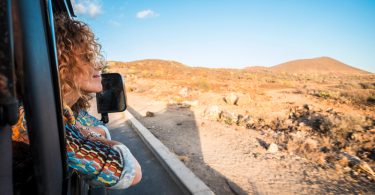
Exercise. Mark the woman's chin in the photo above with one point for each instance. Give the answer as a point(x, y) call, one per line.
point(95, 89)
point(98, 90)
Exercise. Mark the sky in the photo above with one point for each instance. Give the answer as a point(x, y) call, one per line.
point(233, 33)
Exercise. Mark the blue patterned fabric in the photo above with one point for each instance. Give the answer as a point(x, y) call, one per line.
point(100, 163)
point(88, 120)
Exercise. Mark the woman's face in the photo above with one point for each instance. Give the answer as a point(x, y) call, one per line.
point(91, 82)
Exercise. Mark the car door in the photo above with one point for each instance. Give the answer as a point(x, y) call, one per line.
point(30, 51)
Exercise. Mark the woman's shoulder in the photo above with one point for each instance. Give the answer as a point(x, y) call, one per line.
point(86, 119)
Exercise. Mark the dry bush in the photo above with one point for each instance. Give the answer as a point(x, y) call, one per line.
point(367, 85)
point(371, 100)
point(202, 85)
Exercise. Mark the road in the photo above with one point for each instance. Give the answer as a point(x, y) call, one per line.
point(155, 179)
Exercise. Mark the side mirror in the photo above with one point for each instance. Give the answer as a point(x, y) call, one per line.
point(112, 98)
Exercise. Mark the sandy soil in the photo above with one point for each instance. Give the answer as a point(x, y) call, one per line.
point(234, 160)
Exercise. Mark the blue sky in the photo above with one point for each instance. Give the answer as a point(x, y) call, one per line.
point(233, 33)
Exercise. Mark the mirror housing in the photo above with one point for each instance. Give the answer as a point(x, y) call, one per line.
point(112, 98)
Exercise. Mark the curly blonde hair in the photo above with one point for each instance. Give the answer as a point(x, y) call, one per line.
point(75, 42)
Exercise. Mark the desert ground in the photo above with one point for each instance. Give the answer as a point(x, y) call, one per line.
point(301, 127)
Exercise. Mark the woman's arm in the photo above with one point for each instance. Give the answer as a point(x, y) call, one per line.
point(103, 162)
point(137, 167)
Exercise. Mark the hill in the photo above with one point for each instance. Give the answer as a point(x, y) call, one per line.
point(151, 64)
point(321, 65)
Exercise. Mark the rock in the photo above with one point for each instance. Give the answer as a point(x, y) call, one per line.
point(133, 89)
point(307, 107)
point(239, 119)
point(356, 136)
point(365, 167)
point(228, 118)
point(359, 165)
point(184, 92)
point(347, 169)
point(212, 112)
point(183, 105)
point(242, 120)
point(310, 145)
point(150, 114)
point(231, 99)
point(250, 125)
point(256, 154)
point(324, 149)
point(273, 148)
point(183, 158)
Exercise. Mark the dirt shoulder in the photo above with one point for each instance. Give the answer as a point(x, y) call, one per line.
point(233, 159)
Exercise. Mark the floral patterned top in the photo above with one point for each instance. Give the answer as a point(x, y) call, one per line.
point(99, 163)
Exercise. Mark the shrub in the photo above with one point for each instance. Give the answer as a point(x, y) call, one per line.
point(322, 94)
point(367, 85)
point(203, 85)
point(371, 99)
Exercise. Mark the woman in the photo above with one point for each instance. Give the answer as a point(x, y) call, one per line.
point(80, 63)
point(101, 161)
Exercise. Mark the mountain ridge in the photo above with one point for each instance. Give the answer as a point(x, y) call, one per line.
point(319, 65)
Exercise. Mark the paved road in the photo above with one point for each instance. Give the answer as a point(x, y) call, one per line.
point(155, 179)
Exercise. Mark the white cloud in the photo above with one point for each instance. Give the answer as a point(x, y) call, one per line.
point(146, 14)
point(91, 8)
point(79, 8)
point(94, 10)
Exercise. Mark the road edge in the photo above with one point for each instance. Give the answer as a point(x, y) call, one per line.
point(186, 177)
